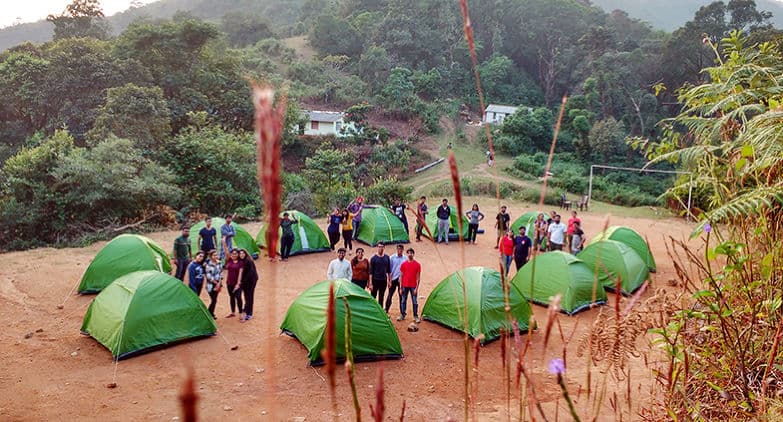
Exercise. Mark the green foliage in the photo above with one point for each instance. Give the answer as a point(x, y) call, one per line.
point(474, 186)
point(244, 29)
point(328, 173)
point(136, 113)
point(81, 18)
point(384, 190)
point(390, 159)
point(216, 169)
point(56, 191)
point(331, 35)
point(527, 131)
point(731, 140)
point(606, 139)
point(533, 196)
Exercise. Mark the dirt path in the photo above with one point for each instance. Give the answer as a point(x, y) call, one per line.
point(51, 372)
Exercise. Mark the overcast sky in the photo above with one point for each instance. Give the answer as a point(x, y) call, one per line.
point(12, 11)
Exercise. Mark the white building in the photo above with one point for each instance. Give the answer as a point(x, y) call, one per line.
point(321, 123)
point(496, 113)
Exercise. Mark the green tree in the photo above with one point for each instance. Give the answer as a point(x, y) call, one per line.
point(399, 91)
point(374, 66)
point(81, 18)
point(529, 130)
point(331, 35)
point(215, 168)
point(606, 138)
point(244, 29)
point(328, 174)
point(136, 113)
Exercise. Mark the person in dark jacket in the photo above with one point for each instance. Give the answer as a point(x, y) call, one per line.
point(444, 215)
point(335, 221)
point(196, 273)
point(287, 239)
point(380, 274)
point(248, 283)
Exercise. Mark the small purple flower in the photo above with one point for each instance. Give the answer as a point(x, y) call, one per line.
point(556, 366)
point(707, 228)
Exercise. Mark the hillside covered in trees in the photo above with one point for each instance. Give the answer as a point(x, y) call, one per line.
point(100, 130)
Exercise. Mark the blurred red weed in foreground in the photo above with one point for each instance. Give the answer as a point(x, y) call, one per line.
point(188, 397)
point(269, 127)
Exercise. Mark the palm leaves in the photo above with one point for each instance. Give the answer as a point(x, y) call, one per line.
point(730, 134)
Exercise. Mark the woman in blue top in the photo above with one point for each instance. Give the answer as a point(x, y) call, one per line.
point(474, 216)
point(335, 219)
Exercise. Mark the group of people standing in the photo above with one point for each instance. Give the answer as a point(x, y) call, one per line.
point(345, 223)
point(207, 267)
point(396, 273)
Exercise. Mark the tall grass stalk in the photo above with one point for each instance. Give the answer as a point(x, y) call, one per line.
point(349, 362)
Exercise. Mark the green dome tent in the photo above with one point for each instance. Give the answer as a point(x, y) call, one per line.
point(381, 225)
point(612, 259)
point(372, 334)
point(432, 223)
point(486, 303)
point(526, 220)
point(146, 309)
point(308, 236)
point(125, 254)
point(243, 239)
point(631, 238)
point(560, 272)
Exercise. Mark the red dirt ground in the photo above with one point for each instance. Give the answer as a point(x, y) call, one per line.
point(58, 374)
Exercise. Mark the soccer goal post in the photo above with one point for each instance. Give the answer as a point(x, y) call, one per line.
point(643, 170)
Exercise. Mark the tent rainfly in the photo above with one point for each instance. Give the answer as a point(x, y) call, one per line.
point(561, 273)
point(144, 310)
point(372, 335)
point(243, 239)
point(525, 220)
point(486, 304)
point(379, 224)
point(432, 223)
point(631, 238)
point(125, 254)
point(611, 259)
point(308, 237)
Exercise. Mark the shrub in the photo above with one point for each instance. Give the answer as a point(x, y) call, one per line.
point(533, 195)
point(385, 190)
point(56, 192)
point(216, 169)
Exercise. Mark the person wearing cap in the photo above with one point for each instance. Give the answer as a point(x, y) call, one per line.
point(396, 261)
point(356, 209)
point(380, 274)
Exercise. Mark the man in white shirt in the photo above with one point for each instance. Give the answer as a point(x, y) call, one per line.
point(339, 267)
point(556, 234)
point(396, 262)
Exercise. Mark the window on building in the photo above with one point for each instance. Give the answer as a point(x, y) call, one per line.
point(314, 125)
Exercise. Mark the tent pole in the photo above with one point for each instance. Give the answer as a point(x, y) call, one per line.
point(690, 193)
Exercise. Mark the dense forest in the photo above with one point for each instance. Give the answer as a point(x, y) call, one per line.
point(98, 131)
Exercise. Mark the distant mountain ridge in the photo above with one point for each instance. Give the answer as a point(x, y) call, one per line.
point(210, 10)
point(672, 14)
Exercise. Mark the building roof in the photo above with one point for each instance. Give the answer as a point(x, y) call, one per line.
point(497, 108)
point(324, 116)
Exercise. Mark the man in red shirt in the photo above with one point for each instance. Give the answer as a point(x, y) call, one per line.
point(410, 275)
point(570, 229)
